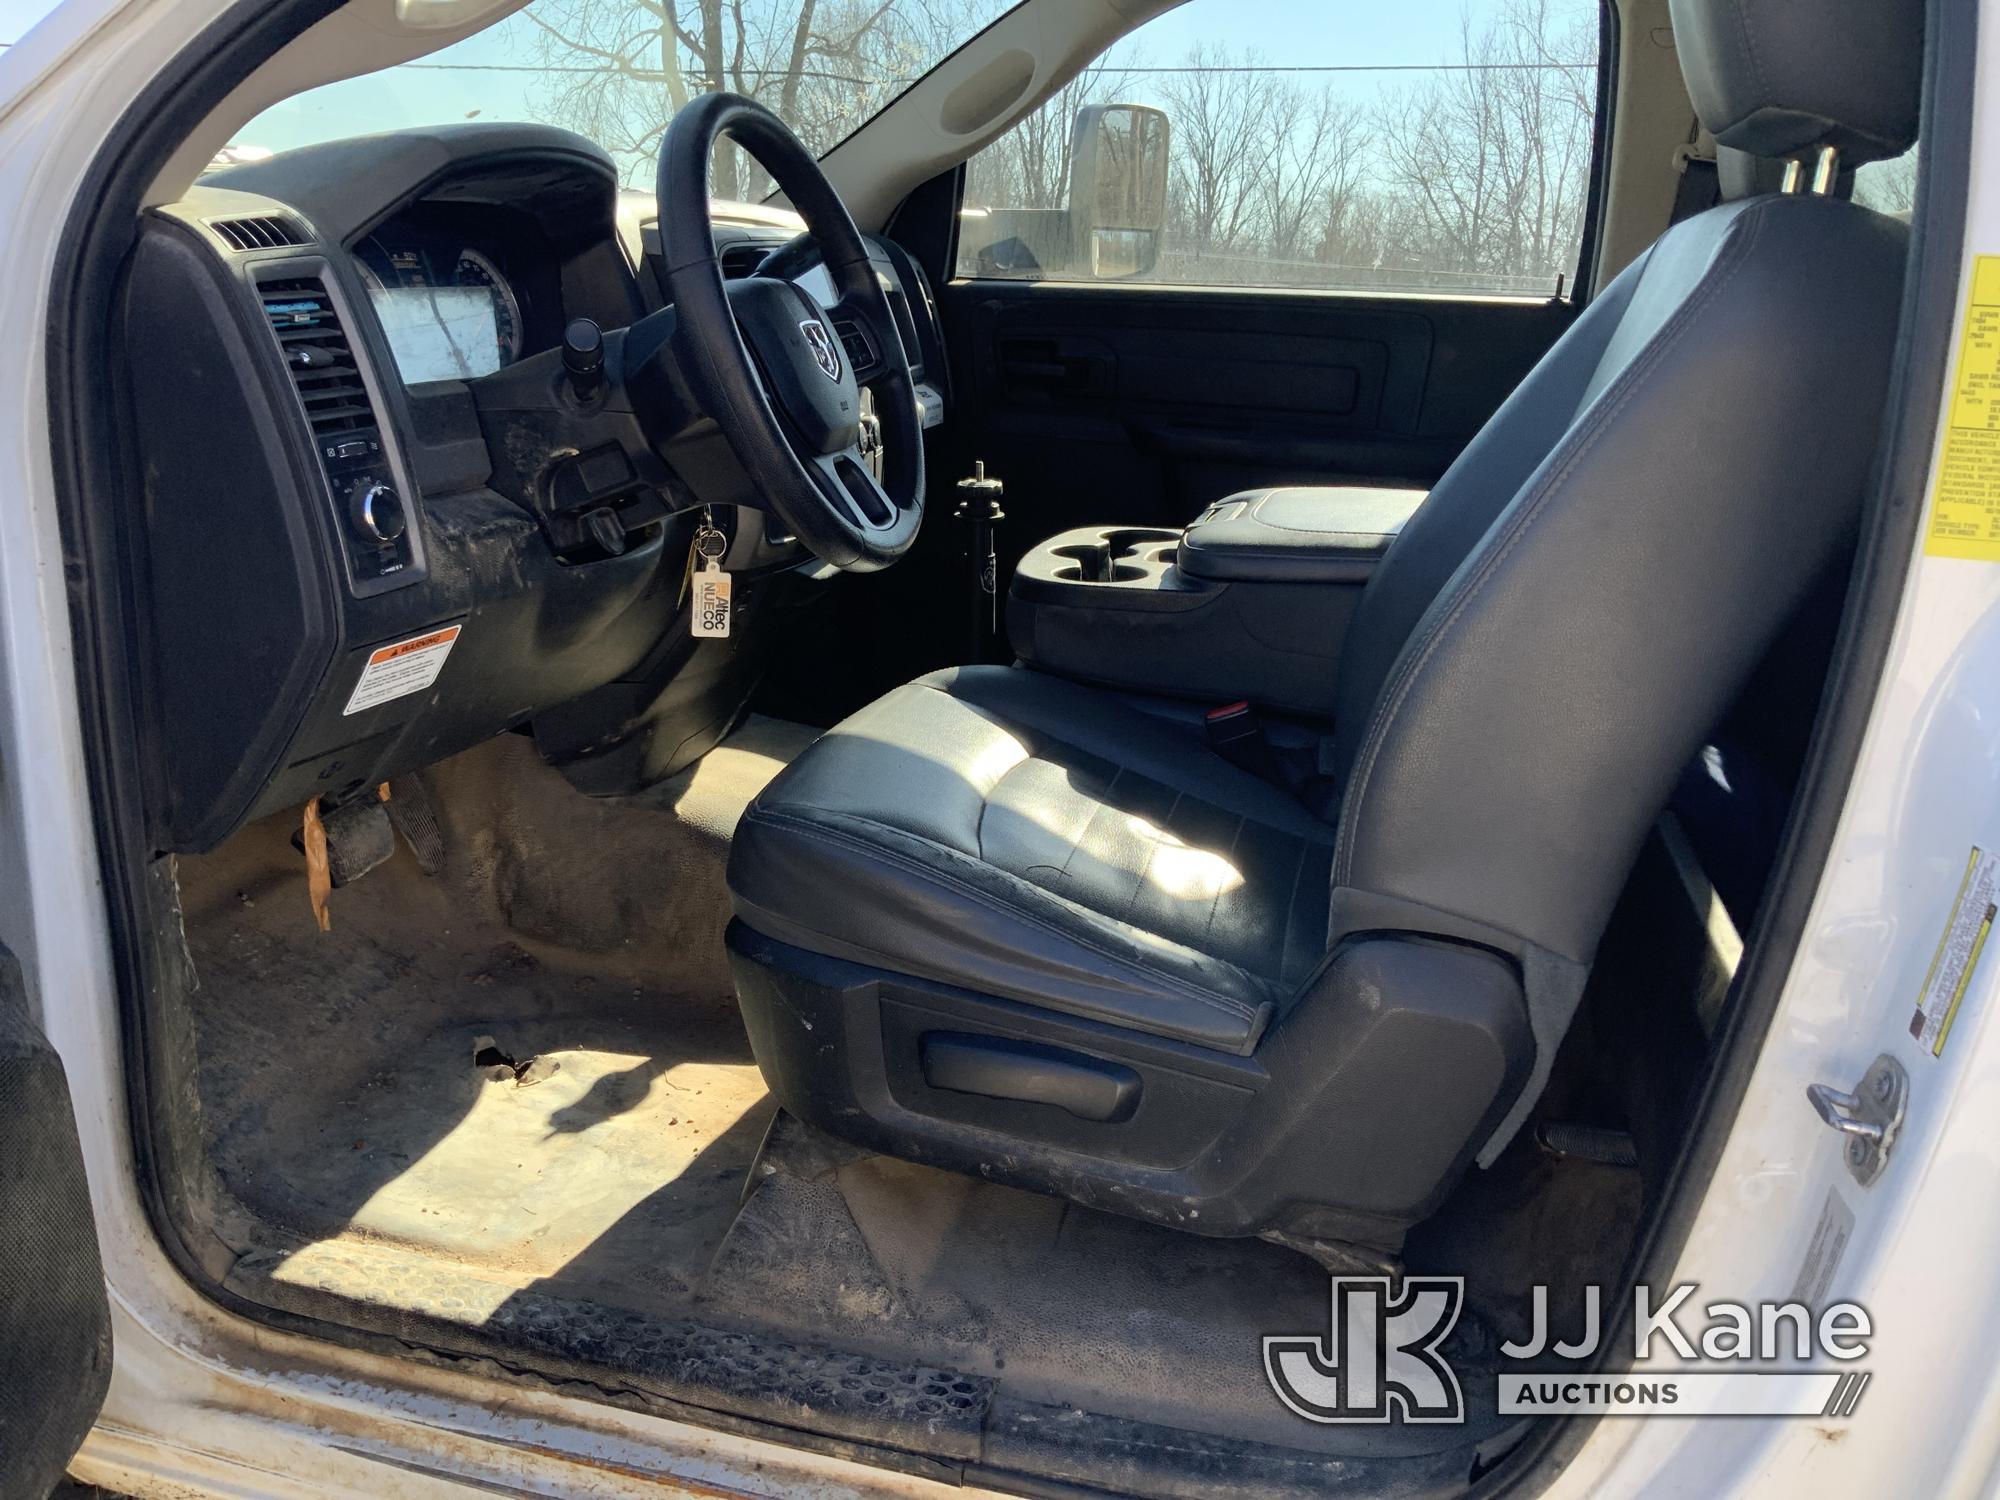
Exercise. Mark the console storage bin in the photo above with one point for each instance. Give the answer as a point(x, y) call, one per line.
point(1296, 534)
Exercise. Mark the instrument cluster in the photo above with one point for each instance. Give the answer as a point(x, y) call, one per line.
point(448, 307)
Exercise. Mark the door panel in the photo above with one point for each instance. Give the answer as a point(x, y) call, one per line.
point(1138, 405)
point(55, 1324)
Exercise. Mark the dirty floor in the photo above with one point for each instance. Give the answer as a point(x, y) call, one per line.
point(341, 1095)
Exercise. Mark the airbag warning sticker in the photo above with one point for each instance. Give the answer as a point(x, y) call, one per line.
point(1965, 933)
point(399, 670)
point(1965, 508)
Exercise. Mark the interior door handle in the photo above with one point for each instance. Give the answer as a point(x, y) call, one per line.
point(1054, 371)
point(1057, 364)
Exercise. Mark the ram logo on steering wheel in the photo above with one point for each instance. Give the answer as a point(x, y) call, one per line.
point(824, 351)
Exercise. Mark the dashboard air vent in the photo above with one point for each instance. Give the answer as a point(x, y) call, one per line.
point(270, 232)
point(743, 258)
point(317, 355)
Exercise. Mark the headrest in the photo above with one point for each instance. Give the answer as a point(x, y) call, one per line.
point(1784, 77)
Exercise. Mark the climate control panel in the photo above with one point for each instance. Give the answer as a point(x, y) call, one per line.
point(370, 515)
point(373, 520)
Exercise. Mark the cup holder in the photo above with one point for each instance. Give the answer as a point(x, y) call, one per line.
point(1083, 572)
point(1131, 543)
point(1106, 561)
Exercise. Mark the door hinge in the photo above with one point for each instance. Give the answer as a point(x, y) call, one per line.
point(1869, 1117)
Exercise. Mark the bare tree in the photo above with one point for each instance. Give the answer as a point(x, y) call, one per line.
point(1224, 142)
point(1319, 158)
point(1475, 177)
point(1267, 171)
point(1888, 187)
point(619, 69)
point(1491, 158)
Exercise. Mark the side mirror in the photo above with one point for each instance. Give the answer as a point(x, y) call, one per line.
point(1118, 188)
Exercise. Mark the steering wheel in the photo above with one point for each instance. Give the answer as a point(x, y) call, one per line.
point(769, 363)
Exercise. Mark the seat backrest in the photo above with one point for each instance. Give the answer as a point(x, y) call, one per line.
point(1591, 584)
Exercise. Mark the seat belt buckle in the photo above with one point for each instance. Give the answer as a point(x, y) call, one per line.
point(1230, 722)
point(1234, 733)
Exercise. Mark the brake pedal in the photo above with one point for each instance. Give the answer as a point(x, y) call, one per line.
point(341, 844)
point(358, 838)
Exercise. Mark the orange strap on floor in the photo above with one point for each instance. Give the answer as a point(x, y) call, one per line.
point(319, 877)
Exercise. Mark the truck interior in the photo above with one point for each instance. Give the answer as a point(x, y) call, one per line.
point(769, 789)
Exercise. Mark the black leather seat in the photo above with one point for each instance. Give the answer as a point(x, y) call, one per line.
point(1023, 836)
point(1021, 927)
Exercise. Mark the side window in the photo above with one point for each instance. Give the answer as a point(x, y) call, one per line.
point(1888, 187)
point(1439, 146)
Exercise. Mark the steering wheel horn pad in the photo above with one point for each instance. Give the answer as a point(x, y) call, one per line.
point(754, 354)
point(805, 372)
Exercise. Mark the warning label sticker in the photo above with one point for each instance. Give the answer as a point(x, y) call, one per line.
point(399, 670)
point(1965, 933)
point(1965, 508)
point(1824, 1248)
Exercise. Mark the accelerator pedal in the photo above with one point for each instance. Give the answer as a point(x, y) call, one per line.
point(1595, 1143)
point(410, 810)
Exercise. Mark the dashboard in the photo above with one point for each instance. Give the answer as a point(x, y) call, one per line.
point(309, 338)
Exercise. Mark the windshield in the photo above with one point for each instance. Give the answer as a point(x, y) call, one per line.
point(616, 70)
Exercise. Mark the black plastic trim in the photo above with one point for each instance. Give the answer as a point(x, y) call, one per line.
point(349, 188)
point(316, 576)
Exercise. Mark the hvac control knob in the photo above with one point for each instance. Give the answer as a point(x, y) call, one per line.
point(377, 512)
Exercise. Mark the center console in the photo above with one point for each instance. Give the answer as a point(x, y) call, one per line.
point(1251, 601)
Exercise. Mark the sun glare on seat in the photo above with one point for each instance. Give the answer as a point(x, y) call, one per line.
point(1183, 871)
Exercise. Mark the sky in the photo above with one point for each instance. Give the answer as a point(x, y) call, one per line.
point(471, 80)
point(16, 16)
point(1345, 32)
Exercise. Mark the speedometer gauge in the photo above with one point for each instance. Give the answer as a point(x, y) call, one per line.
point(474, 269)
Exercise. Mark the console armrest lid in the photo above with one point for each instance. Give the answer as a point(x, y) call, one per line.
point(1297, 534)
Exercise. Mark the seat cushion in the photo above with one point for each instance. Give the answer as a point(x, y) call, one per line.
point(1018, 835)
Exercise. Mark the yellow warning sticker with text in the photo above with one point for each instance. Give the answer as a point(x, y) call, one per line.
point(1965, 933)
point(1965, 503)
